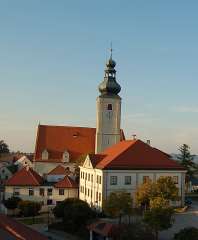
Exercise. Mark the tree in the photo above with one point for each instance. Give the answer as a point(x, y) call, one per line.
point(12, 203)
point(74, 212)
point(164, 189)
point(3, 147)
point(29, 208)
point(158, 219)
point(187, 233)
point(144, 193)
point(118, 204)
point(186, 159)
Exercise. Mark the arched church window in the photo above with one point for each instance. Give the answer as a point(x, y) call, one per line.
point(109, 107)
point(45, 154)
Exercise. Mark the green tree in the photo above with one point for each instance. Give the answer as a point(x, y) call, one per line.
point(12, 203)
point(29, 208)
point(186, 159)
point(118, 204)
point(3, 147)
point(158, 219)
point(75, 213)
point(187, 233)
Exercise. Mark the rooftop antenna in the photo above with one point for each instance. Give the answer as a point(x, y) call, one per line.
point(134, 136)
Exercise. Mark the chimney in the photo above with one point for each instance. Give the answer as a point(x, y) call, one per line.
point(148, 142)
point(134, 136)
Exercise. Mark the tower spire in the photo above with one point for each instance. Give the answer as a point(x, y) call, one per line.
point(111, 50)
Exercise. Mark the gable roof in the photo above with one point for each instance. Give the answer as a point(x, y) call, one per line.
point(135, 154)
point(25, 177)
point(18, 230)
point(77, 141)
point(59, 170)
point(66, 182)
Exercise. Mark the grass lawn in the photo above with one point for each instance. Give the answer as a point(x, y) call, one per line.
point(30, 221)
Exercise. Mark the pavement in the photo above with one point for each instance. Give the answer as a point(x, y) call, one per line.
point(52, 234)
point(182, 220)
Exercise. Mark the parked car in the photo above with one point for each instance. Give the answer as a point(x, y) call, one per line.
point(188, 201)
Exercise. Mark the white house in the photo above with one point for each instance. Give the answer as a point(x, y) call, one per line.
point(29, 185)
point(23, 162)
point(123, 167)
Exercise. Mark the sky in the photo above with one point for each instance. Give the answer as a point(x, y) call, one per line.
point(53, 54)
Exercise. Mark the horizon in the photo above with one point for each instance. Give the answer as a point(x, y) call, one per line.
point(53, 58)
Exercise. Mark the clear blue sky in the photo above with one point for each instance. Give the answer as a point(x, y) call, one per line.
point(52, 56)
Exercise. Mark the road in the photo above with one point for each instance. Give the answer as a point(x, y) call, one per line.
point(182, 220)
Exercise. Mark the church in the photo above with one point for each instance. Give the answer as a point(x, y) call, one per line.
point(109, 161)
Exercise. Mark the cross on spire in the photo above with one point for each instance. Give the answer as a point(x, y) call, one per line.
point(111, 50)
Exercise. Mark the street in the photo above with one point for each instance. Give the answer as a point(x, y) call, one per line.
point(182, 220)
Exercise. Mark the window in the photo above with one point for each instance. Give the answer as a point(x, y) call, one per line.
point(99, 197)
point(49, 192)
point(89, 177)
point(175, 179)
point(91, 193)
point(41, 191)
point(45, 154)
point(146, 179)
point(88, 192)
point(96, 196)
point(113, 180)
point(16, 191)
point(31, 192)
point(109, 107)
point(65, 156)
point(49, 202)
point(127, 180)
point(61, 191)
point(100, 179)
point(92, 177)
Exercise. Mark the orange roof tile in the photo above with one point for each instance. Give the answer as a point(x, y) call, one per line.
point(25, 177)
point(66, 182)
point(19, 230)
point(59, 170)
point(135, 154)
point(56, 139)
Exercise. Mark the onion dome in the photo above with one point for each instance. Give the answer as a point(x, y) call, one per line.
point(109, 84)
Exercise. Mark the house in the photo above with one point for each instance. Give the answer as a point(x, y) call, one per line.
point(29, 185)
point(11, 229)
point(125, 166)
point(24, 161)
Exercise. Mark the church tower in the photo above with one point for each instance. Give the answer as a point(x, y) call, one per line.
point(108, 109)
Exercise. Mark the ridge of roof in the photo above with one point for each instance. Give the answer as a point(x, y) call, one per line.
point(66, 182)
point(58, 170)
point(25, 177)
point(136, 154)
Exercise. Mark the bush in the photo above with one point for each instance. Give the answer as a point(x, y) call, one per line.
point(136, 231)
point(186, 234)
point(12, 203)
point(75, 213)
point(29, 208)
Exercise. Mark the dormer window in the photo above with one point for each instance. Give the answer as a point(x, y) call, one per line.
point(45, 154)
point(109, 107)
point(65, 156)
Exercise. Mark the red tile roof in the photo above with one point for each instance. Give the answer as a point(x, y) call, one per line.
point(77, 141)
point(59, 170)
point(25, 177)
point(135, 154)
point(19, 230)
point(66, 182)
